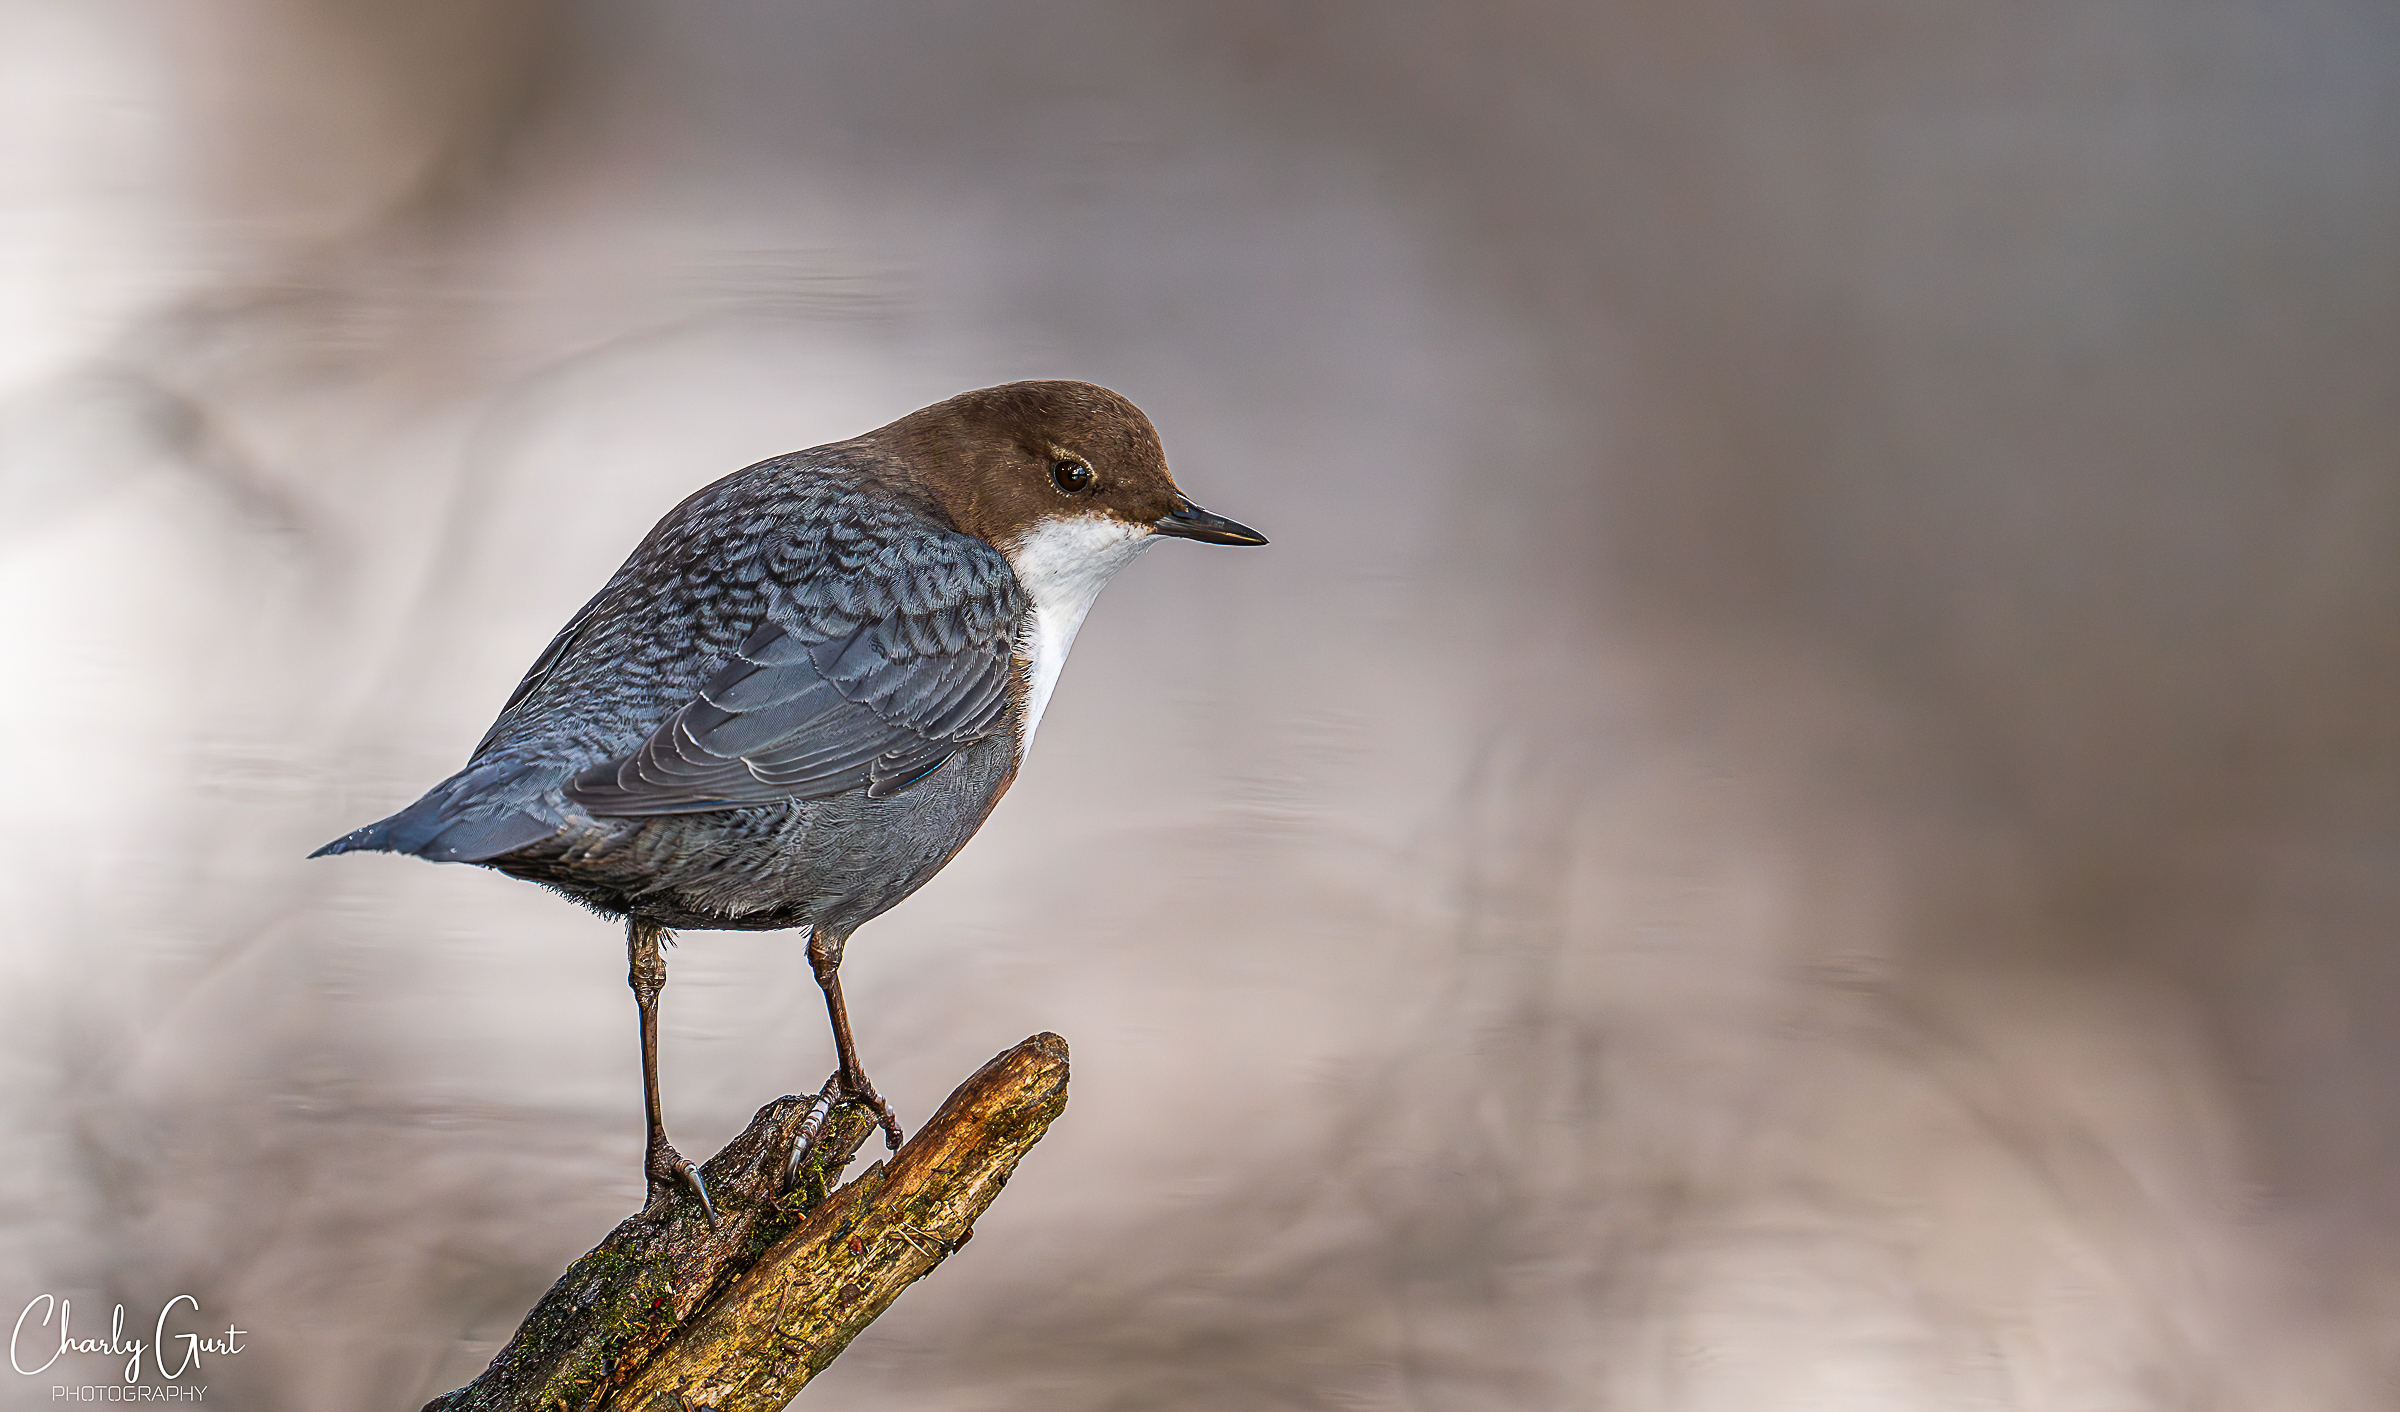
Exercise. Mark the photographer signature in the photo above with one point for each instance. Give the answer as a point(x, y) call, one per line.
point(23, 1344)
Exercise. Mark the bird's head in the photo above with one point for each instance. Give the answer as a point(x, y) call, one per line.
point(1067, 463)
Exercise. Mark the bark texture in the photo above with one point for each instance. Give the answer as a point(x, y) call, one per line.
point(671, 1313)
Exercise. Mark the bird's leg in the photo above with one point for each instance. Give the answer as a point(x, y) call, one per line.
point(661, 1163)
point(825, 957)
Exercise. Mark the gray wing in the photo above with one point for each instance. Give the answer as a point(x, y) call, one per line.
point(540, 671)
point(866, 680)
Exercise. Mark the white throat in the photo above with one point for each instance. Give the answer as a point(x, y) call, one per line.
point(1063, 565)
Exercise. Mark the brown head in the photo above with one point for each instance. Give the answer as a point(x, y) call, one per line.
point(1065, 479)
point(1005, 461)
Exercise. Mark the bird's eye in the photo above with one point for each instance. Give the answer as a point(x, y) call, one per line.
point(1072, 476)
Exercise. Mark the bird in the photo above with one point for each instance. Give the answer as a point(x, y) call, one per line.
point(807, 688)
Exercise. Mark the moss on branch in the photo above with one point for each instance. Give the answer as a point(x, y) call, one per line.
point(671, 1313)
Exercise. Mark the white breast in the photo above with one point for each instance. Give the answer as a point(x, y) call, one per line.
point(1063, 564)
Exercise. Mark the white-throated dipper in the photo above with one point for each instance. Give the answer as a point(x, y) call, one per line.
point(808, 686)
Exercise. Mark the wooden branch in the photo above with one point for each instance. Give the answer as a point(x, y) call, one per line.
point(669, 1313)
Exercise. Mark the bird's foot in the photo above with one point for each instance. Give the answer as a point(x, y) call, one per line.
point(839, 1090)
point(668, 1169)
point(856, 1089)
point(812, 1126)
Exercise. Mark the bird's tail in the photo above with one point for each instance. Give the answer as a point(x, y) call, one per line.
point(479, 813)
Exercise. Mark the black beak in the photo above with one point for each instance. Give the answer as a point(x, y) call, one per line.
point(1189, 521)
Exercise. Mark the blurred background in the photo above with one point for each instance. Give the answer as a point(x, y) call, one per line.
point(1801, 815)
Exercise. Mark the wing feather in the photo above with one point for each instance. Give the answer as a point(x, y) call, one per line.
point(868, 682)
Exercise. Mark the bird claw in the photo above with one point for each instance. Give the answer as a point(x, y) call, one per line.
point(856, 1089)
point(811, 1127)
point(838, 1090)
point(669, 1169)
